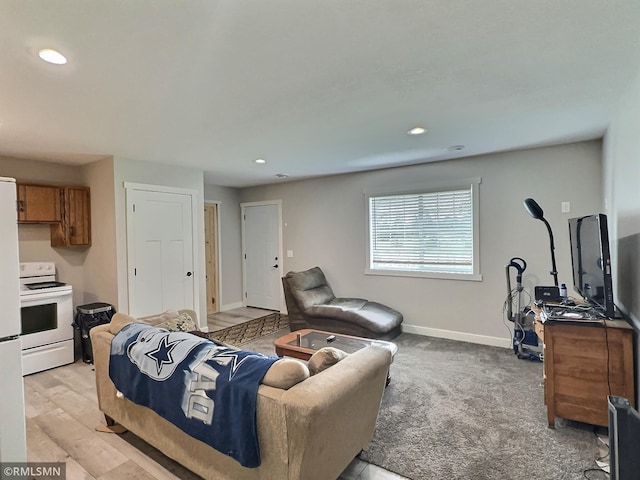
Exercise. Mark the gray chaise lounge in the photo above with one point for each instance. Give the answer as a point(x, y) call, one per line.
point(312, 304)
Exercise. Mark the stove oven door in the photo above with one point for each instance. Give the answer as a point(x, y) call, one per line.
point(46, 317)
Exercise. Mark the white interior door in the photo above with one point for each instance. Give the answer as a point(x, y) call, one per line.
point(160, 251)
point(262, 256)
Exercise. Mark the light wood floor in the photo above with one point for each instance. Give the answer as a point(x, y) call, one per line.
point(229, 318)
point(62, 414)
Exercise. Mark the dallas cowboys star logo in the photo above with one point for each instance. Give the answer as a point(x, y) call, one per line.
point(235, 358)
point(162, 354)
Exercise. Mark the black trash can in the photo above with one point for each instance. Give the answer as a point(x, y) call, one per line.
point(87, 317)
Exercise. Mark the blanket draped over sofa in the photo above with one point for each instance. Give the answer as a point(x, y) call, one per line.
point(206, 390)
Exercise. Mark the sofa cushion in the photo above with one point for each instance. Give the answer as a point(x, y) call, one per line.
point(170, 320)
point(285, 373)
point(324, 358)
point(182, 323)
point(154, 320)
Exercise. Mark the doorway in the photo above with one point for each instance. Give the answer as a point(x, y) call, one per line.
point(262, 254)
point(212, 256)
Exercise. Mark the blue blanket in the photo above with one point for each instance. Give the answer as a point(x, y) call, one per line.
point(206, 390)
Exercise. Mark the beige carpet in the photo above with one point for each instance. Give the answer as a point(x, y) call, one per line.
point(460, 411)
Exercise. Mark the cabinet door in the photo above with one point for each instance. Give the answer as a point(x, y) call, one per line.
point(39, 204)
point(78, 215)
point(75, 228)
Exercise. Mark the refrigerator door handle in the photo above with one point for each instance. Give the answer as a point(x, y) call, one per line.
point(8, 339)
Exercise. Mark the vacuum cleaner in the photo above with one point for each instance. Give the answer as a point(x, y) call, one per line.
point(525, 339)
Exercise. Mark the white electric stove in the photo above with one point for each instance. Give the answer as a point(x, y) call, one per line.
point(46, 314)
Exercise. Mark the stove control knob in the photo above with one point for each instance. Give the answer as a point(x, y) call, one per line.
point(38, 267)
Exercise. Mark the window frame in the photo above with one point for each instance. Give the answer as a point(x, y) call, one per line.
point(430, 187)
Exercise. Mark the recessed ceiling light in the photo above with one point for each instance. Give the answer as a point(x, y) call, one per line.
point(260, 160)
point(456, 148)
point(52, 56)
point(417, 131)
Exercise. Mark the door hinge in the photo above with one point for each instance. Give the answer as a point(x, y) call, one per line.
point(134, 207)
point(135, 272)
point(245, 256)
point(245, 294)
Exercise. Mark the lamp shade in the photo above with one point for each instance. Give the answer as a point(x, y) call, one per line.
point(532, 207)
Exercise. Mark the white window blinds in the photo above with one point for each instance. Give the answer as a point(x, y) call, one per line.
point(425, 232)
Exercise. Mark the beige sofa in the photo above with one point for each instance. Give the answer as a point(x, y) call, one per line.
point(312, 430)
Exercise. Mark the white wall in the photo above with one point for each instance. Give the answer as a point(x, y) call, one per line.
point(100, 272)
point(230, 243)
point(622, 191)
point(325, 224)
point(163, 175)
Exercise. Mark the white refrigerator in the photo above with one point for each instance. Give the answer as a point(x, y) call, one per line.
point(13, 443)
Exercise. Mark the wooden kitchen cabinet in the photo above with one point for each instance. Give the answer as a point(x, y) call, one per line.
point(39, 203)
point(75, 227)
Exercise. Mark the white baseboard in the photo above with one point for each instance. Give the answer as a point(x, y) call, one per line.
point(231, 306)
point(463, 337)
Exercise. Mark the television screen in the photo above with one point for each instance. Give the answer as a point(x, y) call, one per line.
point(591, 261)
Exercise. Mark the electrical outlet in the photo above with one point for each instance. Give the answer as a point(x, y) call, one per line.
point(289, 253)
point(566, 207)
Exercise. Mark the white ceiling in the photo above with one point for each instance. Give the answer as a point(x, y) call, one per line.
point(313, 86)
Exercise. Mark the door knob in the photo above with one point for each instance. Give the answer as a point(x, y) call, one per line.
point(275, 266)
point(188, 274)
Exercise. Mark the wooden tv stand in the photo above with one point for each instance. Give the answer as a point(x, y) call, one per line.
point(583, 364)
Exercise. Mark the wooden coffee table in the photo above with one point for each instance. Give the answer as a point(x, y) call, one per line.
point(304, 343)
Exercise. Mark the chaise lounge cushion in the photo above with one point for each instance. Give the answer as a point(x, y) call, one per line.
point(369, 315)
point(310, 288)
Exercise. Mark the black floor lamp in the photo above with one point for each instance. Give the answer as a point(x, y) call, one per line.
point(536, 212)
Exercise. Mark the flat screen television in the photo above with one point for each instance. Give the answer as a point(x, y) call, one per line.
point(591, 261)
point(624, 439)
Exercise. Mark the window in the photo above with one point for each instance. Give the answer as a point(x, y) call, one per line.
point(428, 231)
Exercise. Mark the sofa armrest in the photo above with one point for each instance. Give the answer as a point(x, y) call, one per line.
point(101, 337)
point(332, 415)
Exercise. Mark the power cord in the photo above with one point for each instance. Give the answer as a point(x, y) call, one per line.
point(601, 469)
point(588, 477)
point(511, 296)
point(507, 300)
